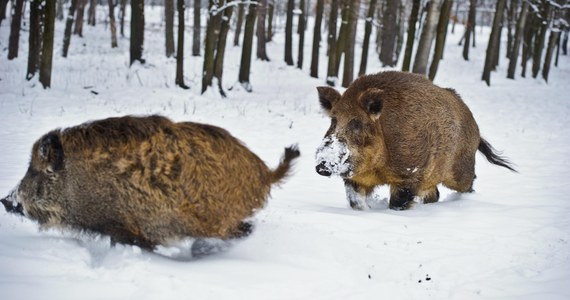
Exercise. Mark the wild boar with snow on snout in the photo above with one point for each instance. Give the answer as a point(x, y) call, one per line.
point(146, 181)
point(400, 129)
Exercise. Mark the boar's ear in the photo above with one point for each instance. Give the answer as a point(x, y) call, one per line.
point(51, 152)
point(327, 96)
point(373, 102)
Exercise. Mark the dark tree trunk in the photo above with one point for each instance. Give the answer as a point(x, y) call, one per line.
point(367, 32)
point(497, 49)
point(239, 23)
point(212, 34)
point(289, 33)
point(261, 36)
point(411, 35)
point(221, 47)
point(557, 51)
point(341, 42)
point(317, 38)
point(426, 38)
point(197, 28)
point(400, 31)
point(59, 13)
point(270, 15)
point(47, 43)
point(301, 30)
point(511, 17)
point(245, 64)
point(80, 12)
point(137, 30)
point(68, 27)
point(440, 38)
point(565, 43)
point(169, 27)
point(112, 24)
point(455, 16)
point(389, 33)
point(34, 38)
point(531, 26)
point(180, 49)
point(493, 42)
point(331, 42)
point(541, 38)
point(14, 40)
point(3, 6)
point(91, 13)
point(554, 34)
point(517, 40)
point(348, 74)
point(122, 11)
point(469, 28)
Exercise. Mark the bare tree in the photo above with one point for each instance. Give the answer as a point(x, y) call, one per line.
point(517, 40)
point(317, 38)
point(221, 47)
point(367, 32)
point(245, 64)
point(389, 33)
point(14, 40)
point(196, 30)
point(180, 49)
point(137, 31)
point(348, 73)
point(426, 38)
point(554, 35)
point(261, 36)
point(59, 13)
point(34, 38)
point(270, 15)
point(169, 27)
point(440, 38)
point(3, 6)
point(493, 42)
point(541, 38)
point(301, 31)
point(80, 12)
point(212, 34)
point(91, 13)
point(68, 27)
point(47, 43)
point(112, 24)
point(411, 35)
point(122, 10)
point(239, 23)
point(289, 33)
point(332, 43)
point(469, 27)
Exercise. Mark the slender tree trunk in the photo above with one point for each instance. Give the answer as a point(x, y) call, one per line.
point(455, 16)
point(3, 6)
point(239, 23)
point(14, 40)
point(301, 30)
point(389, 33)
point(122, 11)
point(348, 74)
point(411, 35)
point(245, 65)
point(261, 36)
point(440, 38)
point(180, 47)
point(400, 32)
point(541, 38)
point(529, 34)
point(169, 27)
point(112, 24)
point(34, 38)
point(511, 17)
point(68, 27)
point(289, 33)
point(341, 43)
point(557, 51)
point(426, 38)
point(137, 30)
point(331, 41)
point(47, 43)
point(80, 12)
point(212, 35)
point(493, 42)
point(366, 41)
point(517, 40)
point(91, 13)
point(554, 34)
point(270, 15)
point(317, 38)
point(221, 47)
point(565, 43)
point(59, 13)
point(196, 30)
point(469, 28)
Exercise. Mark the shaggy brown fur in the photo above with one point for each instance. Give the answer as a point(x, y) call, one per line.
point(404, 131)
point(147, 180)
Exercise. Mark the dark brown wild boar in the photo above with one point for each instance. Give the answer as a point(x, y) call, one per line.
point(145, 181)
point(399, 129)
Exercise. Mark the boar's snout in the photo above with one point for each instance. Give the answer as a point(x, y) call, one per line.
point(11, 205)
point(323, 170)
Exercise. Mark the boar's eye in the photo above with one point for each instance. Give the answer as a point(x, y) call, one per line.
point(355, 126)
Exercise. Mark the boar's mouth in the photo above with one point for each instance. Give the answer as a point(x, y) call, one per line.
point(11, 205)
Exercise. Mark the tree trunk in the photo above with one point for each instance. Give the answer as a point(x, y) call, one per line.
point(137, 30)
point(261, 36)
point(180, 47)
point(197, 28)
point(366, 41)
point(47, 43)
point(59, 13)
point(245, 64)
point(565, 43)
point(91, 13)
point(270, 15)
point(331, 42)
point(493, 42)
point(289, 33)
point(3, 6)
point(122, 11)
point(317, 38)
point(426, 38)
point(541, 38)
point(14, 40)
point(221, 47)
point(112, 24)
point(511, 17)
point(169, 26)
point(400, 32)
point(440, 38)
point(389, 33)
point(557, 51)
point(411, 35)
point(455, 16)
point(517, 41)
point(554, 34)
point(341, 42)
point(301, 30)
point(239, 23)
point(68, 27)
point(469, 28)
point(34, 38)
point(529, 34)
point(212, 34)
point(80, 12)
point(348, 74)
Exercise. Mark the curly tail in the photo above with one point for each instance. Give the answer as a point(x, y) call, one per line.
point(492, 156)
point(282, 171)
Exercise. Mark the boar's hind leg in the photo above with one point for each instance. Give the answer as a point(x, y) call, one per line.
point(463, 175)
point(429, 195)
point(242, 230)
point(401, 198)
point(356, 195)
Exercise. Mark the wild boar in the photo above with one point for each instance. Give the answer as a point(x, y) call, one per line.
point(399, 129)
point(146, 181)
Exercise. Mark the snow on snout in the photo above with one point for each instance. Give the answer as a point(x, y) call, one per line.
point(333, 155)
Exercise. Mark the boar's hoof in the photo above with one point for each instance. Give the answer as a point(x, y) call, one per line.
point(244, 229)
point(403, 199)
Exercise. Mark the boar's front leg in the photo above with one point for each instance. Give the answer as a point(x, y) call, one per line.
point(357, 195)
point(401, 198)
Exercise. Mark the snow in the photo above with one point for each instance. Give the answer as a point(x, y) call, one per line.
point(334, 155)
point(509, 240)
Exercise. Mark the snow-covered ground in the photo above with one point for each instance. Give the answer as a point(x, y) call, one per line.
point(509, 240)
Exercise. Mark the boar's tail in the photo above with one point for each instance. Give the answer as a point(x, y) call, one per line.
point(282, 171)
point(492, 156)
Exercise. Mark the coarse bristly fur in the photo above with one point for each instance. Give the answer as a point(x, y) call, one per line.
point(147, 181)
point(402, 130)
